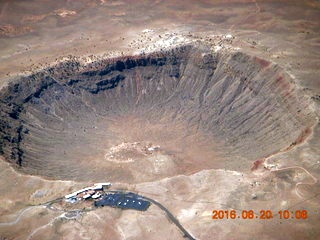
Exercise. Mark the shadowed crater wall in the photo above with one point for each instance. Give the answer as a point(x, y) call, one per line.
point(151, 116)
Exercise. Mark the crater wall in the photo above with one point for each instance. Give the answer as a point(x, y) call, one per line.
point(203, 109)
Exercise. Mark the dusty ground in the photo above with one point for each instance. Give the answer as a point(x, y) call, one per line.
point(284, 32)
point(190, 198)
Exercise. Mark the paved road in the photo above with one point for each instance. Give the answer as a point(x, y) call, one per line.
point(18, 216)
point(171, 217)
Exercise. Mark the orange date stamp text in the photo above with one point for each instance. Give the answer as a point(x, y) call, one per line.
point(262, 214)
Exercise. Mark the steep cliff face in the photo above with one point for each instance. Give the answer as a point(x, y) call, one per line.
point(204, 109)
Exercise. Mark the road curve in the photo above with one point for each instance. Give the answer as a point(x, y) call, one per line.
point(18, 216)
point(171, 217)
point(186, 234)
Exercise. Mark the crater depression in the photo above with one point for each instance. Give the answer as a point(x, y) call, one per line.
point(145, 117)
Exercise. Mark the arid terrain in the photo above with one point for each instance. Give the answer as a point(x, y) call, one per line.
point(201, 106)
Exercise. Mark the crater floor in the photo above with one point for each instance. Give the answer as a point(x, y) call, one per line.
point(201, 106)
point(203, 109)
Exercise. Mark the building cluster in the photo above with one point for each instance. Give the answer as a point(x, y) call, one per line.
point(93, 192)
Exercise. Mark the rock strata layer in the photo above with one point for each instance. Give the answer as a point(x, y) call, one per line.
point(203, 110)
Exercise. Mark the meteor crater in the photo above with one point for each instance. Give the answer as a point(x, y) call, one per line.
point(150, 116)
